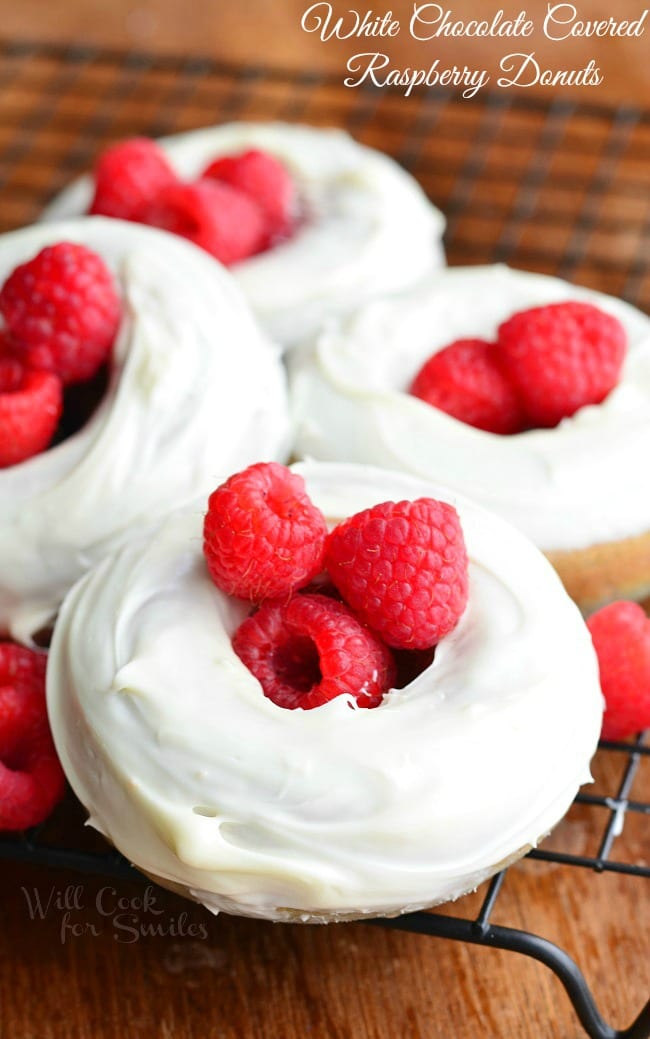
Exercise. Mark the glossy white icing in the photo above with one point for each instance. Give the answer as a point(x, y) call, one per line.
point(196, 390)
point(199, 779)
point(569, 487)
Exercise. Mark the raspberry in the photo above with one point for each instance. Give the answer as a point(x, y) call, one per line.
point(128, 176)
point(402, 567)
point(263, 537)
point(11, 369)
point(465, 381)
point(216, 217)
point(561, 357)
point(264, 179)
point(311, 649)
point(31, 778)
point(31, 403)
point(621, 637)
point(62, 311)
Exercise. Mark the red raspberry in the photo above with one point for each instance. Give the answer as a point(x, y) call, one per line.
point(264, 179)
point(311, 649)
point(31, 403)
point(128, 176)
point(62, 311)
point(31, 778)
point(11, 369)
point(216, 217)
point(562, 357)
point(621, 637)
point(263, 537)
point(465, 381)
point(402, 567)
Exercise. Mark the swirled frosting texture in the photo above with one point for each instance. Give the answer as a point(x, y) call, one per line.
point(199, 779)
point(195, 390)
point(570, 487)
point(368, 227)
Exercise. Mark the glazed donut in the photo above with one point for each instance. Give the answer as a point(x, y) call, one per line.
point(194, 387)
point(368, 226)
point(330, 813)
point(575, 490)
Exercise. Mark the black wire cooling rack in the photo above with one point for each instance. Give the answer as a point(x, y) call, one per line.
point(46, 847)
point(556, 186)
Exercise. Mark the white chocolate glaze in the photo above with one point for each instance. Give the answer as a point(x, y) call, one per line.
point(199, 779)
point(368, 229)
point(196, 389)
point(577, 485)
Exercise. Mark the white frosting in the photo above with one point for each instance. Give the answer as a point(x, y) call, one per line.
point(196, 390)
point(369, 227)
point(196, 777)
point(580, 484)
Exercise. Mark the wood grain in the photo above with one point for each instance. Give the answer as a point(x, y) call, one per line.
point(252, 980)
point(255, 31)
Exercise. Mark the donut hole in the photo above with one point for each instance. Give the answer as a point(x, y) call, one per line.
point(411, 663)
point(80, 402)
point(43, 637)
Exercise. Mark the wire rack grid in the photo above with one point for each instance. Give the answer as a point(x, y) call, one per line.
point(556, 187)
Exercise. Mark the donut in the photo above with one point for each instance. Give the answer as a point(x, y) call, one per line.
point(361, 212)
point(576, 490)
point(194, 387)
point(331, 813)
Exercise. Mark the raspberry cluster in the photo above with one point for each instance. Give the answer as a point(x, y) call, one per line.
point(31, 778)
point(240, 204)
point(332, 607)
point(547, 363)
point(61, 312)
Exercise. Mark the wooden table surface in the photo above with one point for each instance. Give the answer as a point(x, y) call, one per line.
point(94, 968)
point(560, 188)
point(262, 31)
